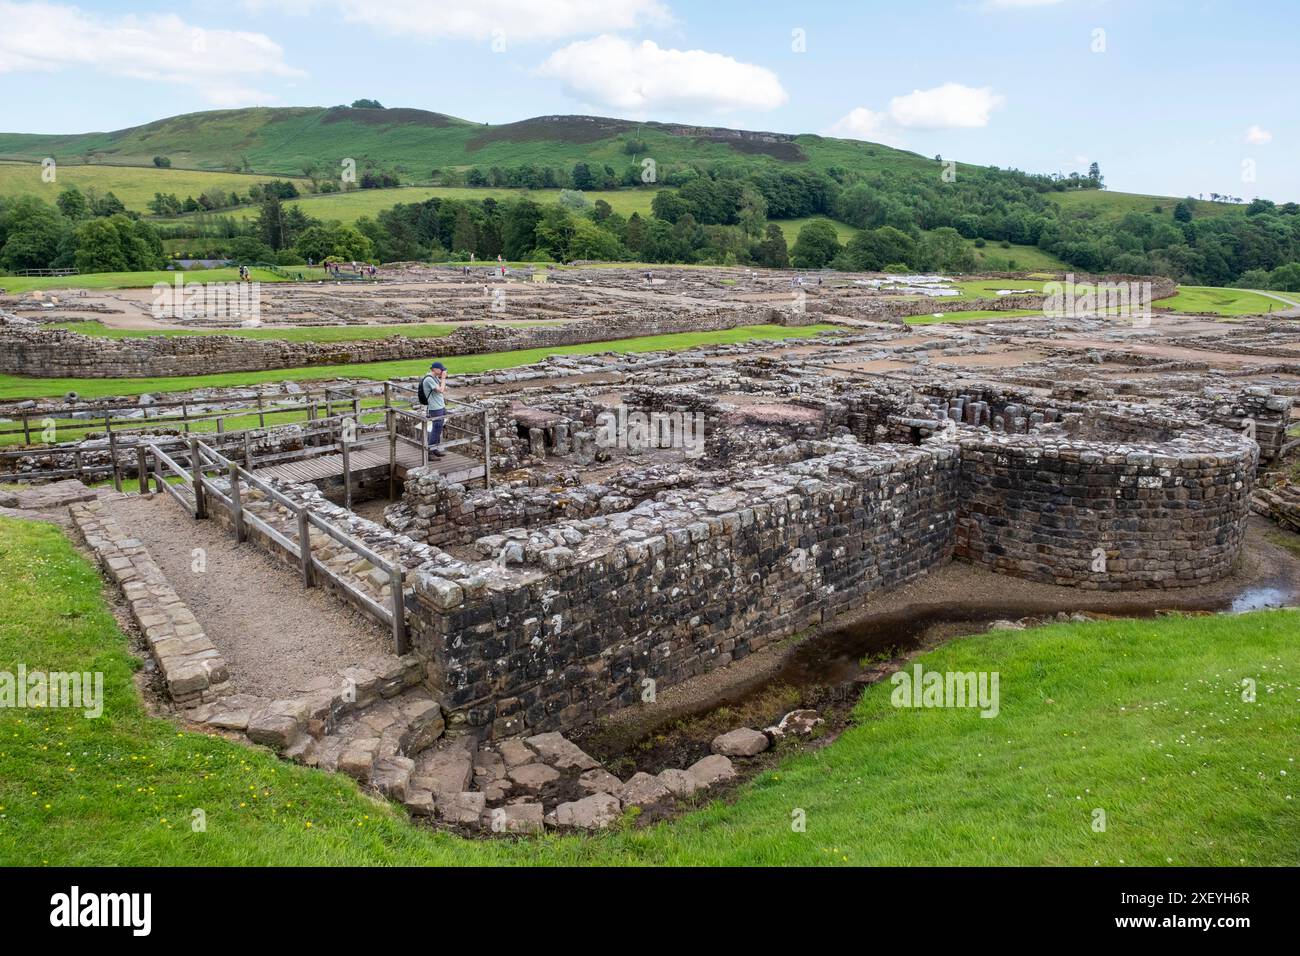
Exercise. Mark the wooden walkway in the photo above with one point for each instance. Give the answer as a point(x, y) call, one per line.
point(454, 467)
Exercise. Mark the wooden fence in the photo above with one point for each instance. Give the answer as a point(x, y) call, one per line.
point(203, 493)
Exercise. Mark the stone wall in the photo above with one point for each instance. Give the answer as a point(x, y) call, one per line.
point(1105, 516)
point(677, 586)
point(29, 349)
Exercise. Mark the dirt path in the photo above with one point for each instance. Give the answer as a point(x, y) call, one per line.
point(274, 635)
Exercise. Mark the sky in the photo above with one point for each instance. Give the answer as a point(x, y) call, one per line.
point(1170, 97)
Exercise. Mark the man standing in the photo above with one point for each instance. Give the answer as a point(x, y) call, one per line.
point(432, 397)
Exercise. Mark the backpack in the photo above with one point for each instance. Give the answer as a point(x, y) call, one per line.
point(426, 389)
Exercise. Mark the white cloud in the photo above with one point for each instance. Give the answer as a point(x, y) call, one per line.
point(1258, 136)
point(862, 123)
point(521, 21)
point(45, 37)
point(613, 72)
point(950, 106)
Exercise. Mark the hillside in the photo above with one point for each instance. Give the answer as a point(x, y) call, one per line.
point(411, 142)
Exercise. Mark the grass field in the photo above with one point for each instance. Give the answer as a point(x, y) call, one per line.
point(1227, 302)
point(145, 280)
point(348, 207)
point(15, 386)
point(134, 185)
point(1143, 720)
point(1112, 205)
point(324, 333)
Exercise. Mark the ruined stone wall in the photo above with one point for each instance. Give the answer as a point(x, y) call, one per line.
point(1101, 515)
point(27, 349)
point(680, 585)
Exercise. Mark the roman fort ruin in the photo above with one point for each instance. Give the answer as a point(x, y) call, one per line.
point(608, 526)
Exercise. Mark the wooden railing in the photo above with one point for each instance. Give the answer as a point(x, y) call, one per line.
point(203, 491)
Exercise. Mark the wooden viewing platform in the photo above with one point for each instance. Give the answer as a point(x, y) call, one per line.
point(454, 467)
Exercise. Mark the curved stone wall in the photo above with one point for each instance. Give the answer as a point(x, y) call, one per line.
point(1132, 512)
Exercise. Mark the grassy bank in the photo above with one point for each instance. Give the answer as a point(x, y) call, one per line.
point(1226, 302)
point(17, 386)
point(1144, 720)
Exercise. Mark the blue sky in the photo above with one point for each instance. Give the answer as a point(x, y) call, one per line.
point(1170, 96)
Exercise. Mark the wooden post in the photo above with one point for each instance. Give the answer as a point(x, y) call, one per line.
point(221, 424)
point(112, 454)
point(347, 471)
point(196, 473)
point(399, 609)
point(76, 462)
point(142, 467)
point(487, 450)
point(261, 414)
point(388, 395)
point(27, 430)
point(237, 504)
point(390, 419)
point(304, 548)
point(185, 417)
point(248, 451)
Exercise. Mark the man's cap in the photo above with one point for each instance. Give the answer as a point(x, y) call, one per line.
point(438, 365)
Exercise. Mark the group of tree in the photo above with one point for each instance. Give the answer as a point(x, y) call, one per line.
point(35, 234)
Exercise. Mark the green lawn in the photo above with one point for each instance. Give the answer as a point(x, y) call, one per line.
point(969, 317)
point(144, 280)
point(322, 333)
point(1217, 301)
point(1144, 720)
point(18, 386)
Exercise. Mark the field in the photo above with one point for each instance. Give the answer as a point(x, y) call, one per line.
point(323, 333)
point(144, 280)
point(348, 207)
point(1143, 720)
point(1113, 205)
point(134, 185)
point(1227, 302)
point(17, 386)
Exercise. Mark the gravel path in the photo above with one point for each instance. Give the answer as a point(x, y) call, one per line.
point(274, 635)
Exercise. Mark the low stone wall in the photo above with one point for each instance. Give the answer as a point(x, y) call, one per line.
point(29, 349)
point(192, 668)
point(680, 585)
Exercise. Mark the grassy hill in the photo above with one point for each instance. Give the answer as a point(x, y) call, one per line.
point(410, 142)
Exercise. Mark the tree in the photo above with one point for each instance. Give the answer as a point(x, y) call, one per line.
point(772, 251)
point(592, 242)
point(871, 250)
point(117, 244)
point(343, 242)
point(367, 105)
point(1183, 211)
point(31, 232)
point(162, 162)
point(582, 178)
point(816, 245)
point(73, 204)
point(250, 249)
